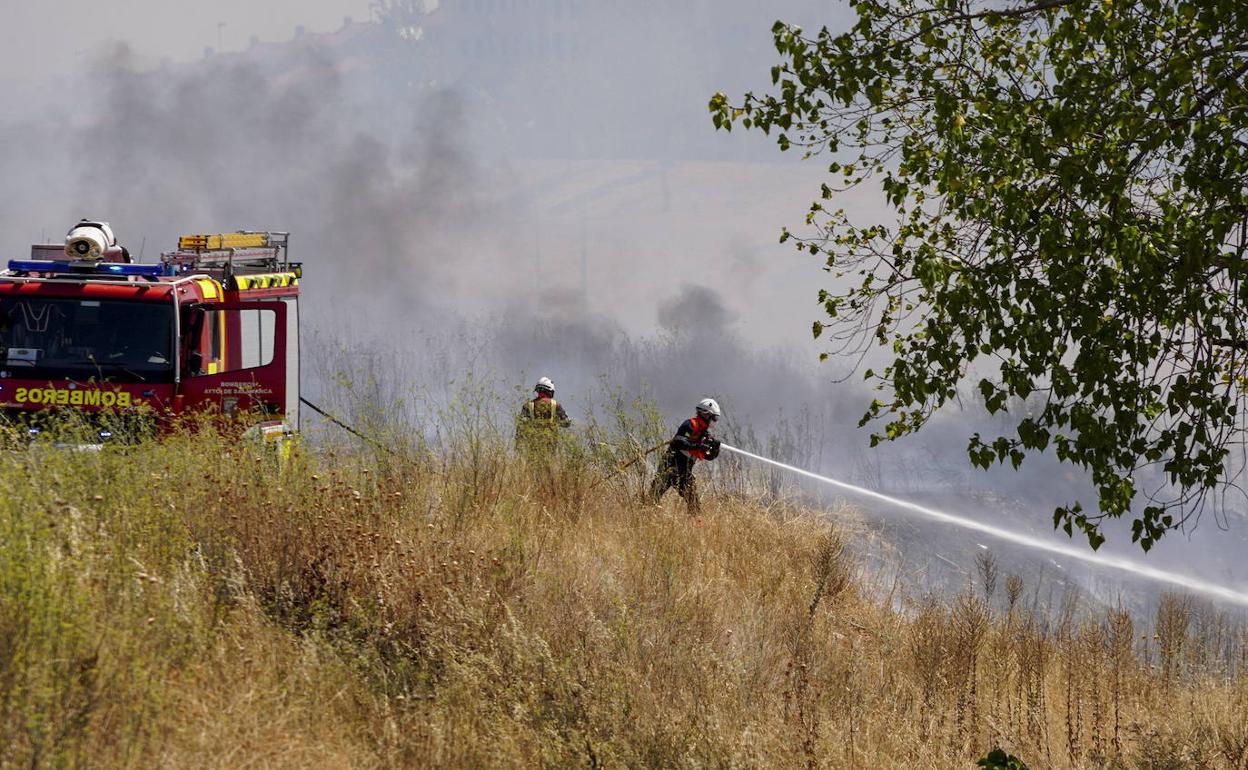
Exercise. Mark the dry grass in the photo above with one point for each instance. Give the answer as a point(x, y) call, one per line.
point(193, 604)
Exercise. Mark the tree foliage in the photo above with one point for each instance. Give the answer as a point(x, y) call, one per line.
point(1070, 215)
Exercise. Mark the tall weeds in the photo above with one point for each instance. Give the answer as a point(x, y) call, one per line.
point(198, 603)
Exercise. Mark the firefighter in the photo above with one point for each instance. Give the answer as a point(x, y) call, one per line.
point(692, 442)
point(540, 419)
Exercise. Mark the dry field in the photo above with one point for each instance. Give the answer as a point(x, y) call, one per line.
point(195, 604)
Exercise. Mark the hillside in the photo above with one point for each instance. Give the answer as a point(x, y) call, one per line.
point(195, 604)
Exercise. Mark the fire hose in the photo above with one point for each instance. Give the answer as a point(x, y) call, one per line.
point(336, 421)
point(629, 464)
point(339, 423)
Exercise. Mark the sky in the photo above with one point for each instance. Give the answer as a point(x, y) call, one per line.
point(57, 37)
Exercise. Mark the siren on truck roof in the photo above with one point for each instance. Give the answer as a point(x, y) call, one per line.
point(95, 242)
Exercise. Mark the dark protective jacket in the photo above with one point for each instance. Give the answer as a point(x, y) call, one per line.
point(691, 437)
point(538, 426)
point(545, 409)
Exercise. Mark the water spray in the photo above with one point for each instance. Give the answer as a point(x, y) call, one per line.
point(1105, 560)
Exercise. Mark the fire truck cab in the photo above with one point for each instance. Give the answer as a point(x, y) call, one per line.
point(213, 326)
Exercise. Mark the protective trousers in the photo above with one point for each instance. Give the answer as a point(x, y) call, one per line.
point(676, 470)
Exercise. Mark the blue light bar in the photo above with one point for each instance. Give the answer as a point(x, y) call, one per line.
point(78, 268)
point(151, 271)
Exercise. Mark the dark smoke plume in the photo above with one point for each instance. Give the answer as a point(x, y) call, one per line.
point(696, 310)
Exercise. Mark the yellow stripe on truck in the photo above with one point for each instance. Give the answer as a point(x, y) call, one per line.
point(266, 280)
point(210, 288)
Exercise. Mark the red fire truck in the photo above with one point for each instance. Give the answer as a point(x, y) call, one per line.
point(214, 325)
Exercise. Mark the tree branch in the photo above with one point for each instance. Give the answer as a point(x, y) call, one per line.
point(1227, 342)
point(1043, 5)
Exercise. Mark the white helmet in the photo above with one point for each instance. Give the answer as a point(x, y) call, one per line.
point(708, 406)
point(544, 385)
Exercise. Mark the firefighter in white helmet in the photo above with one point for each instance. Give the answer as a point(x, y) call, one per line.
point(693, 441)
point(540, 419)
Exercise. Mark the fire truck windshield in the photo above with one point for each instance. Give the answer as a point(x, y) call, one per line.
point(84, 339)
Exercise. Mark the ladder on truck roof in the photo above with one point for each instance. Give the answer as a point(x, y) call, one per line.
point(224, 255)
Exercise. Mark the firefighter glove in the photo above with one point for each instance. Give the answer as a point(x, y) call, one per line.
point(711, 445)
